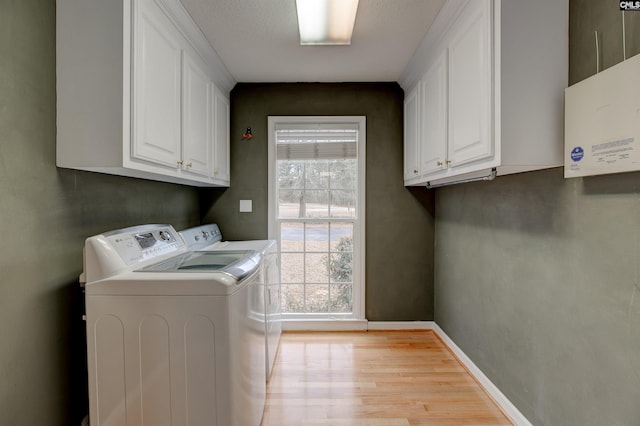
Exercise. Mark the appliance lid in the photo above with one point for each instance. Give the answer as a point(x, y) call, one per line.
point(237, 263)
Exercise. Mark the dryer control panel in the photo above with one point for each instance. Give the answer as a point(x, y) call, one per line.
point(199, 237)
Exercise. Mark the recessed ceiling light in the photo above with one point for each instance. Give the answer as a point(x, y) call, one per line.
point(326, 22)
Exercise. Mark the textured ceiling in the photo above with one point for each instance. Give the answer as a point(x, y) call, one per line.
point(258, 40)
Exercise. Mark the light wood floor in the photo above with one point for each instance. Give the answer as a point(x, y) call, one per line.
point(374, 378)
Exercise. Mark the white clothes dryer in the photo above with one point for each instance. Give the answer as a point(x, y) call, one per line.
point(209, 237)
point(173, 337)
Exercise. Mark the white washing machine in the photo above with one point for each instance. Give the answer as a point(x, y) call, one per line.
point(174, 337)
point(209, 237)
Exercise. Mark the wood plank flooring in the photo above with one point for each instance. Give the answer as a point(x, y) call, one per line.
point(374, 378)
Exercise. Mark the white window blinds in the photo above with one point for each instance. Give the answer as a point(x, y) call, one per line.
point(316, 141)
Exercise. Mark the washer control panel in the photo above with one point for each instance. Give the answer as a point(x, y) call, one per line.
point(141, 243)
point(201, 236)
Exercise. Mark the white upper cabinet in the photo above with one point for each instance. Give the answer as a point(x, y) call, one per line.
point(433, 152)
point(135, 91)
point(492, 74)
point(157, 87)
point(221, 170)
point(469, 52)
point(412, 133)
point(197, 140)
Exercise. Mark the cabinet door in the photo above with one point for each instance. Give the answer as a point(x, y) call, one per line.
point(470, 85)
point(434, 117)
point(157, 85)
point(221, 136)
point(196, 116)
point(412, 133)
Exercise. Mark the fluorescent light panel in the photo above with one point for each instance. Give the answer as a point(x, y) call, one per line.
point(323, 22)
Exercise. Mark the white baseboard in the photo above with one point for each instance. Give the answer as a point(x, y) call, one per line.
point(354, 325)
point(507, 406)
point(401, 325)
point(324, 325)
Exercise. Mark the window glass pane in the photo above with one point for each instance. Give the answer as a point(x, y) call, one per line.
point(343, 203)
point(316, 237)
point(341, 267)
point(292, 269)
point(290, 175)
point(341, 237)
point(317, 174)
point(292, 298)
point(316, 268)
point(343, 174)
point(340, 298)
point(314, 204)
point(290, 204)
point(291, 236)
point(317, 297)
point(316, 178)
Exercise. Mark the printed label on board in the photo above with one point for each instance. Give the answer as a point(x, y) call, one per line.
point(613, 151)
point(577, 153)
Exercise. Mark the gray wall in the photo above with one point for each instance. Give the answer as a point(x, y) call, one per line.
point(399, 227)
point(45, 215)
point(537, 277)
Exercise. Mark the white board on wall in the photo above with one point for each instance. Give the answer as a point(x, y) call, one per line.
point(602, 122)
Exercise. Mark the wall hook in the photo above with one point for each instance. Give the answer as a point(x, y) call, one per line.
point(247, 134)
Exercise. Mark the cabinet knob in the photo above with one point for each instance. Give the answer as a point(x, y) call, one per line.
point(180, 162)
point(189, 165)
point(415, 172)
point(439, 163)
point(448, 162)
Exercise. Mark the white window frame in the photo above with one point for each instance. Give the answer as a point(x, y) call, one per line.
point(358, 290)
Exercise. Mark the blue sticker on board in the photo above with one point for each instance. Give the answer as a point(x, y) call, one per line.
point(577, 153)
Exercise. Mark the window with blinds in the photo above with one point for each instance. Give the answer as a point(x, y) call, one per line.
point(317, 187)
point(314, 142)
